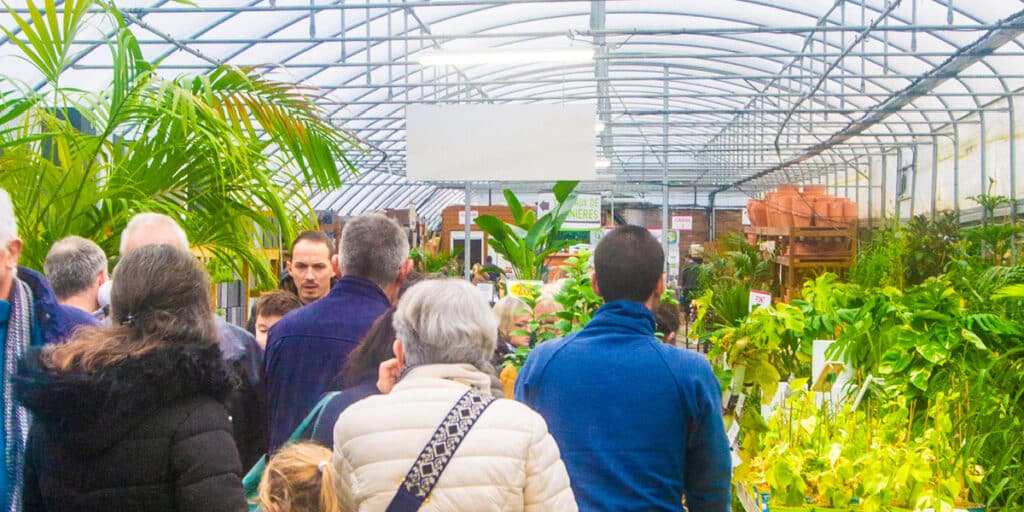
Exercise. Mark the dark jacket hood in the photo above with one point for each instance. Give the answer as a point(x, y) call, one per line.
point(88, 413)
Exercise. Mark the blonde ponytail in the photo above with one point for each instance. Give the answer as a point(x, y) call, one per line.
point(328, 494)
point(299, 478)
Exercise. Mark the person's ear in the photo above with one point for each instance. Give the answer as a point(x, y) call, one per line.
point(659, 289)
point(101, 278)
point(14, 252)
point(404, 271)
point(399, 352)
point(288, 267)
point(593, 283)
point(336, 265)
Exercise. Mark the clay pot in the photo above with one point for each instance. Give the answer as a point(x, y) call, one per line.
point(780, 212)
point(814, 190)
point(836, 212)
point(802, 212)
point(850, 211)
point(789, 189)
point(821, 207)
point(757, 210)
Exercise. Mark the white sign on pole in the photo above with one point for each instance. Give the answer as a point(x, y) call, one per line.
point(501, 142)
point(462, 216)
point(682, 222)
point(759, 299)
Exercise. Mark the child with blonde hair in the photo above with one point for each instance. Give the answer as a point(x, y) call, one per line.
point(299, 478)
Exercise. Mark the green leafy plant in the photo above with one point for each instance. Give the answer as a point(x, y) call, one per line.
point(577, 295)
point(442, 263)
point(869, 455)
point(226, 153)
point(993, 240)
point(527, 241)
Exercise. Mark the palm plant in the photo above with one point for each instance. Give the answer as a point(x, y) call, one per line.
point(228, 154)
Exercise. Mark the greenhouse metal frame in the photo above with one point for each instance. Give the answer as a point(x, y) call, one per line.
point(906, 107)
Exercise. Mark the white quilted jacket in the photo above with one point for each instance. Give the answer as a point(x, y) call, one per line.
point(507, 462)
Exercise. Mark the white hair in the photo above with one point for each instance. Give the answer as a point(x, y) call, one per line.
point(445, 321)
point(142, 221)
point(8, 222)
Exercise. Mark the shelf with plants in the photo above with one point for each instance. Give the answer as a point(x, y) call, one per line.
point(944, 431)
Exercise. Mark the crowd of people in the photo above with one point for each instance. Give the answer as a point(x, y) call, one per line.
point(369, 387)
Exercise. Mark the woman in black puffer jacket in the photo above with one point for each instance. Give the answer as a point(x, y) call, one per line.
point(131, 417)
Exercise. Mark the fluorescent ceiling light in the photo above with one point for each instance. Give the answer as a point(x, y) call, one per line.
point(463, 58)
point(602, 163)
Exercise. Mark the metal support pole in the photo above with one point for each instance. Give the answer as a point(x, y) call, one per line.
point(935, 174)
point(604, 101)
point(664, 175)
point(1014, 257)
point(956, 170)
point(984, 154)
point(711, 215)
point(466, 252)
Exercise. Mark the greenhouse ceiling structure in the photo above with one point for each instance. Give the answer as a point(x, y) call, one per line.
point(695, 100)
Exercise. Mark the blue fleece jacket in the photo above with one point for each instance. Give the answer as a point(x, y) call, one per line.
point(638, 422)
point(306, 349)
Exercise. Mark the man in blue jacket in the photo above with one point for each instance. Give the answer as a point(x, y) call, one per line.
point(29, 316)
point(638, 422)
point(306, 348)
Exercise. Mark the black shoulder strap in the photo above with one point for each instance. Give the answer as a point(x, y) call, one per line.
point(427, 468)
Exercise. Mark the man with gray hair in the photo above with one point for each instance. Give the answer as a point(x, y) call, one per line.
point(238, 348)
point(306, 348)
point(76, 268)
point(29, 316)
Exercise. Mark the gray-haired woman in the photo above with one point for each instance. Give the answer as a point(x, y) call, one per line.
point(504, 461)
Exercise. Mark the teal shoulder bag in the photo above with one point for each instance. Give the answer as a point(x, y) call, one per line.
point(251, 482)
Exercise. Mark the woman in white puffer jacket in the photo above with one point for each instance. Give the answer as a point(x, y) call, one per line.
point(506, 462)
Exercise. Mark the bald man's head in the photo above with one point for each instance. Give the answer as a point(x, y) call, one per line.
point(152, 229)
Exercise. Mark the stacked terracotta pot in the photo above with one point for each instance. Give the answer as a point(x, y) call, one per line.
point(789, 206)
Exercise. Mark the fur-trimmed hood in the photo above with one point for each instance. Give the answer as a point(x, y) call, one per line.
point(88, 413)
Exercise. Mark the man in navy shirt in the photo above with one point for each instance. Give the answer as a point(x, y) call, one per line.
point(306, 348)
point(638, 422)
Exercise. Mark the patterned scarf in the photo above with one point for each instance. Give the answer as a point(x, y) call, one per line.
point(16, 418)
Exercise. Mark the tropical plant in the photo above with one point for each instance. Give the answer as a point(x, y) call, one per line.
point(228, 154)
point(993, 241)
point(527, 241)
point(440, 263)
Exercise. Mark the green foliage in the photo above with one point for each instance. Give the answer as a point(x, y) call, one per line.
point(528, 241)
point(727, 279)
point(879, 260)
point(906, 254)
point(929, 246)
point(830, 458)
point(577, 298)
point(225, 153)
point(443, 263)
point(577, 295)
